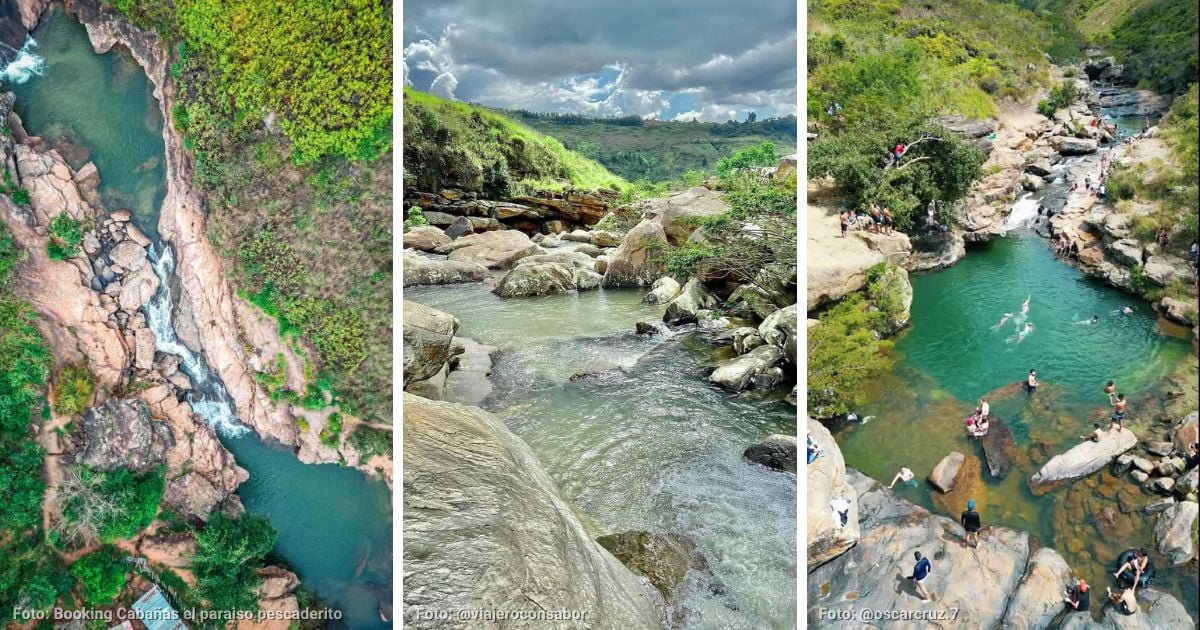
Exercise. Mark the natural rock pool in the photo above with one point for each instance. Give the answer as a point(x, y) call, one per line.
point(334, 524)
point(951, 355)
point(648, 444)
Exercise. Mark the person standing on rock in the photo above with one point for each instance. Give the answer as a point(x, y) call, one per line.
point(983, 410)
point(844, 219)
point(970, 522)
point(888, 221)
point(921, 571)
point(1079, 597)
point(1031, 383)
point(1118, 417)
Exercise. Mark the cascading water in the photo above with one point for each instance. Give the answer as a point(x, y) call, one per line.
point(1023, 213)
point(25, 65)
point(208, 397)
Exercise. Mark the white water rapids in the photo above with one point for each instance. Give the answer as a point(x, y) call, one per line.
point(209, 397)
point(26, 65)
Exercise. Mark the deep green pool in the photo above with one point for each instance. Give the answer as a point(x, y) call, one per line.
point(99, 108)
point(652, 446)
point(951, 356)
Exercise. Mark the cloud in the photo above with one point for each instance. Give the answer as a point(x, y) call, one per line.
point(443, 85)
point(607, 57)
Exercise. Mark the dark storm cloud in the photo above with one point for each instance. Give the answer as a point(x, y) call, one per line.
point(549, 53)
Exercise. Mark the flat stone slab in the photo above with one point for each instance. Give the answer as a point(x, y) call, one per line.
point(998, 447)
point(1085, 458)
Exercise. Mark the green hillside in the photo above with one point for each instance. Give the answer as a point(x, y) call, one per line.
point(1156, 40)
point(658, 150)
point(447, 143)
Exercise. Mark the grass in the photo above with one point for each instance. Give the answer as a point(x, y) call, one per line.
point(448, 143)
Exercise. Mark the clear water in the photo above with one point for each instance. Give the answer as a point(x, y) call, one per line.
point(650, 447)
point(335, 527)
point(951, 356)
point(99, 108)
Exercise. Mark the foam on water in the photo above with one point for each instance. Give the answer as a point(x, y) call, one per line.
point(26, 65)
point(1024, 212)
point(209, 398)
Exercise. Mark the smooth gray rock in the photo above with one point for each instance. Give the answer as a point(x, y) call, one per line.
point(120, 433)
point(779, 330)
point(1039, 596)
point(420, 270)
point(776, 451)
point(638, 261)
point(485, 528)
point(427, 336)
point(1086, 458)
point(662, 291)
point(943, 474)
point(826, 480)
point(738, 373)
point(535, 279)
point(690, 301)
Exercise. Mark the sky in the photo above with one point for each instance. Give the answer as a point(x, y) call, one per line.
point(712, 60)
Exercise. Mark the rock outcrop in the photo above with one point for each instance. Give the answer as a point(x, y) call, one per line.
point(943, 474)
point(121, 433)
point(637, 261)
point(826, 478)
point(667, 561)
point(427, 336)
point(776, 451)
point(422, 270)
point(1039, 596)
point(679, 214)
point(494, 250)
point(485, 527)
point(1084, 458)
point(1175, 532)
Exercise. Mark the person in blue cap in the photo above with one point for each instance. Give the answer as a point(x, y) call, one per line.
point(970, 522)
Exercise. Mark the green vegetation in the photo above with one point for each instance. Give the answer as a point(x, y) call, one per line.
point(755, 242)
point(101, 576)
point(1061, 96)
point(228, 551)
point(655, 150)
point(331, 434)
point(72, 390)
point(447, 143)
point(874, 57)
point(847, 349)
point(66, 233)
point(107, 506)
point(761, 155)
point(31, 575)
point(371, 442)
point(937, 167)
point(415, 218)
point(1168, 186)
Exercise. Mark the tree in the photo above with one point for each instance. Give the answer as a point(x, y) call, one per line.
point(101, 576)
point(106, 506)
point(751, 117)
point(228, 552)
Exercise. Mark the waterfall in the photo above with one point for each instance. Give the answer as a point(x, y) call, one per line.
point(1024, 212)
point(208, 396)
point(25, 65)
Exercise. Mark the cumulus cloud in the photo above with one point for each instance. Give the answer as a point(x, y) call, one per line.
point(443, 85)
point(606, 57)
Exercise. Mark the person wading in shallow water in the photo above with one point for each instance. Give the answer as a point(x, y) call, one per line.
point(921, 571)
point(1031, 383)
point(1110, 390)
point(1118, 417)
point(970, 523)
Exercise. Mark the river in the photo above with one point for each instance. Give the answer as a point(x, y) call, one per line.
point(650, 446)
point(953, 353)
point(101, 108)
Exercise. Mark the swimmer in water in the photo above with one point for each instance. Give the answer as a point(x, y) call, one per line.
point(1005, 318)
point(1127, 310)
point(1025, 306)
point(1110, 390)
point(1024, 332)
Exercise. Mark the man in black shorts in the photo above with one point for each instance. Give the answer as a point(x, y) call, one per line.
point(1031, 383)
point(970, 522)
point(1118, 417)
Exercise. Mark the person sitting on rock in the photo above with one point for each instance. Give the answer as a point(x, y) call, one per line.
point(1095, 435)
point(1125, 601)
point(814, 451)
point(981, 426)
point(1137, 564)
point(1191, 456)
point(1079, 596)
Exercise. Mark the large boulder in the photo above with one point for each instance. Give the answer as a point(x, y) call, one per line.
point(690, 301)
point(426, 238)
point(420, 270)
point(637, 261)
point(137, 288)
point(1039, 596)
point(485, 527)
point(1076, 146)
point(1175, 532)
point(779, 330)
point(1166, 270)
point(427, 336)
point(739, 374)
point(680, 214)
point(777, 451)
point(536, 279)
point(500, 249)
point(662, 291)
point(120, 433)
point(872, 574)
point(999, 448)
point(1085, 458)
point(1156, 611)
point(826, 480)
point(1185, 432)
point(665, 560)
point(943, 474)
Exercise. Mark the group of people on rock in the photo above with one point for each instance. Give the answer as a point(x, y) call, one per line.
point(1065, 247)
point(875, 218)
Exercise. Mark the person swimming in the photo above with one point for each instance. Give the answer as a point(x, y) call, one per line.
point(1005, 318)
point(1024, 332)
point(1089, 322)
point(1025, 306)
point(1127, 310)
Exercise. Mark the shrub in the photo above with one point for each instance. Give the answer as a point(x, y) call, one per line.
point(66, 235)
point(228, 552)
point(845, 352)
point(416, 218)
point(761, 155)
point(370, 441)
point(21, 197)
point(101, 576)
point(107, 505)
point(72, 390)
point(331, 434)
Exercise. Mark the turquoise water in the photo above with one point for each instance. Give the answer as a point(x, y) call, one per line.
point(951, 356)
point(652, 446)
point(99, 108)
point(335, 526)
